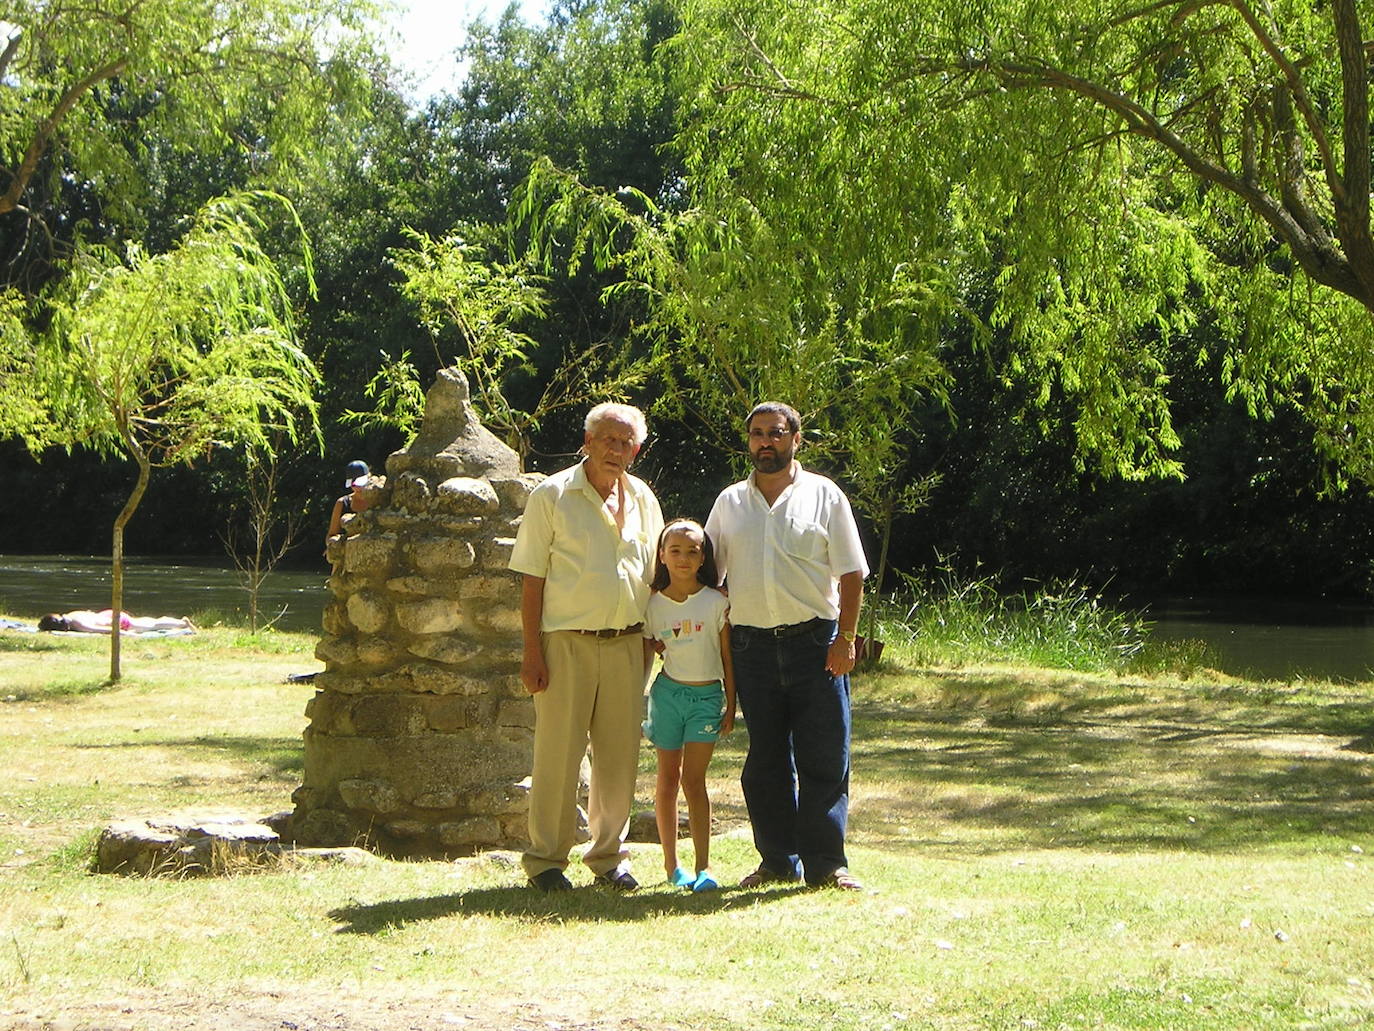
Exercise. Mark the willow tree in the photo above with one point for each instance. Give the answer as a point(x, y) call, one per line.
point(1104, 174)
point(738, 311)
point(480, 302)
point(160, 359)
point(98, 99)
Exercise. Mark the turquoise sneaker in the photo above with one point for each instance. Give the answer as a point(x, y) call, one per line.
point(705, 882)
point(681, 879)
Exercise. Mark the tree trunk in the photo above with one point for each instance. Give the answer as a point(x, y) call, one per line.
point(43, 134)
point(117, 557)
point(116, 593)
point(887, 515)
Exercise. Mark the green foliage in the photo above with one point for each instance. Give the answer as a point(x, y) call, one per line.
point(20, 409)
point(585, 87)
point(107, 92)
point(1063, 625)
point(733, 319)
point(202, 100)
point(1092, 181)
point(456, 290)
point(397, 396)
point(163, 358)
point(261, 532)
point(869, 185)
point(732, 324)
point(168, 356)
point(591, 89)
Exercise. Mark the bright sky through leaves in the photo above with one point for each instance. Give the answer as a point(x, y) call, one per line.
point(428, 32)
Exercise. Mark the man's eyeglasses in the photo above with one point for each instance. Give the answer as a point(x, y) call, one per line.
point(775, 434)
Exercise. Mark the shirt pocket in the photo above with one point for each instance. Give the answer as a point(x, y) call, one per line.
point(804, 539)
point(636, 550)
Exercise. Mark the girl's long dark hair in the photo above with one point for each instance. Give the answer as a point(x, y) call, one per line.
point(706, 574)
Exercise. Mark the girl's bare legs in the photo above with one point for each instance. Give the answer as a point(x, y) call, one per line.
point(696, 756)
point(665, 804)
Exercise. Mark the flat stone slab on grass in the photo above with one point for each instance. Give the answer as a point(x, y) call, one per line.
point(202, 843)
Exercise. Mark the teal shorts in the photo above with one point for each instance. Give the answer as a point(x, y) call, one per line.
point(683, 712)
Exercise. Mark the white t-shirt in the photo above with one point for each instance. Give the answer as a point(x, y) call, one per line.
point(690, 632)
point(783, 563)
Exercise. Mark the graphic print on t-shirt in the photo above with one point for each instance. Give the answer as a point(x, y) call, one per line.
point(680, 628)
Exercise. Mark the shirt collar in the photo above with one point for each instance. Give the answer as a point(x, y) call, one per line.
point(796, 478)
point(580, 481)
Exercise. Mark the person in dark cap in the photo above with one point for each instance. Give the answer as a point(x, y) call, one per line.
point(357, 476)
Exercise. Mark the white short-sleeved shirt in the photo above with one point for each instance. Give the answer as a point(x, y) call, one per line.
point(596, 576)
point(783, 563)
point(690, 632)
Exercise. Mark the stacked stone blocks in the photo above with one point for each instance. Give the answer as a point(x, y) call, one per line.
point(420, 734)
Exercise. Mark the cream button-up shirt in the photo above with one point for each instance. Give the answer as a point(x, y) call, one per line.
point(596, 576)
point(783, 562)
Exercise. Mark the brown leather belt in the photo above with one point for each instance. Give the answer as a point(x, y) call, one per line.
point(637, 628)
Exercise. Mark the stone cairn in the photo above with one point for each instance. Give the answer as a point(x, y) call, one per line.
point(421, 733)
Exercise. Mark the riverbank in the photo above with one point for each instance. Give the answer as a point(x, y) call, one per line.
point(206, 589)
point(952, 620)
point(1043, 849)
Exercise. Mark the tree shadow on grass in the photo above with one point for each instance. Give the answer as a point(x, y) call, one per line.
point(59, 690)
point(30, 642)
point(282, 755)
point(590, 904)
point(999, 765)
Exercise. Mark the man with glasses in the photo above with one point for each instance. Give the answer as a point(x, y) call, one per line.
point(586, 548)
point(788, 549)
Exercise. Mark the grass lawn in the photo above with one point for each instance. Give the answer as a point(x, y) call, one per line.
point(1042, 849)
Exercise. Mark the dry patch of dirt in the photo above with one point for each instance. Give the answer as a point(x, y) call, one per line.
point(294, 1008)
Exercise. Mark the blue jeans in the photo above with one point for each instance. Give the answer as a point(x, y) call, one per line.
point(796, 775)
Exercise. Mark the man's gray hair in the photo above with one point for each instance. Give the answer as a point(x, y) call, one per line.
point(625, 413)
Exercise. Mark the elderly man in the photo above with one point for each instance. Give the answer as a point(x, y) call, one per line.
point(788, 548)
point(586, 549)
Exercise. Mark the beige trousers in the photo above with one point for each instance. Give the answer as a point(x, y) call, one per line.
point(596, 695)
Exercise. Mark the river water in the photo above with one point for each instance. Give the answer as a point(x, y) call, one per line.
point(31, 585)
point(1267, 639)
point(1276, 639)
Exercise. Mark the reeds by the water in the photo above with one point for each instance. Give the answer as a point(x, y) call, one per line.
point(951, 621)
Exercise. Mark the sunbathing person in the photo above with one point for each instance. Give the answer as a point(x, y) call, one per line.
point(86, 621)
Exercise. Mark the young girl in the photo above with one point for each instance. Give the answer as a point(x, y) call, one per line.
point(692, 701)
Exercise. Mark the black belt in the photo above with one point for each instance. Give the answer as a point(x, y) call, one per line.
point(637, 628)
point(789, 630)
